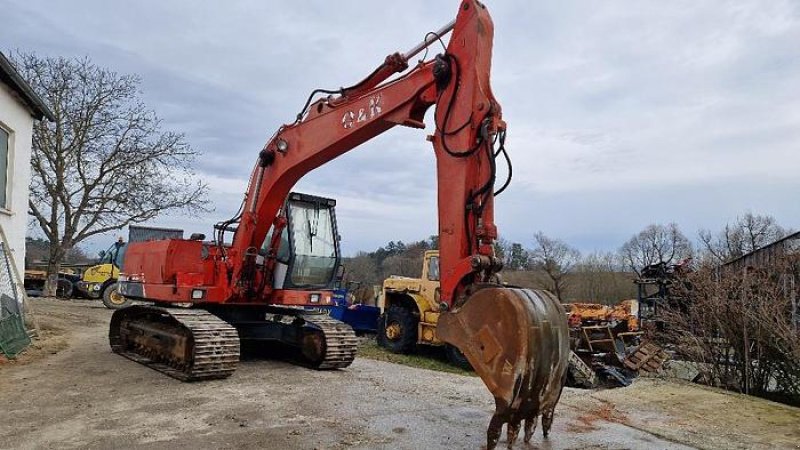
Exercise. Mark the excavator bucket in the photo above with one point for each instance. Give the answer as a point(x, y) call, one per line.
point(517, 340)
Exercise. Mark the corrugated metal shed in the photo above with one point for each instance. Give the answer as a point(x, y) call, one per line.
point(765, 255)
point(141, 234)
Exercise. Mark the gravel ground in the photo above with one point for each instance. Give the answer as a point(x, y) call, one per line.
point(84, 396)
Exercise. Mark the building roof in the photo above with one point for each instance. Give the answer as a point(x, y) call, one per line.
point(10, 76)
point(762, 255)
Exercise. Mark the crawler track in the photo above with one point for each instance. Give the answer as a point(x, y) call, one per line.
point(187, 344)
point(336, 339)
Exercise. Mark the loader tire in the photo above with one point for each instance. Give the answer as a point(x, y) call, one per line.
point(398, 330)
point(112, 299)
point(64, 288)
point(457, 358)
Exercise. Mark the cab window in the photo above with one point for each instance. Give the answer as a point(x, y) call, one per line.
point(433, 269)
point(314, 244)
point(283, 247)
point(114, 255)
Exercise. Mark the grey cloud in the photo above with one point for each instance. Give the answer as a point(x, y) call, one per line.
point(619, 113)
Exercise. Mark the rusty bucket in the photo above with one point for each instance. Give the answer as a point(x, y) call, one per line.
point(517, 340)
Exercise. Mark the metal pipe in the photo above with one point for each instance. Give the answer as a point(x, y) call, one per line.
point(425, 43)
point(257, 190)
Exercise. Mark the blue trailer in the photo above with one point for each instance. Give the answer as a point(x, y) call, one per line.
point(362, 318)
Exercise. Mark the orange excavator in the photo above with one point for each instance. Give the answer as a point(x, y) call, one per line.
point(283, 254)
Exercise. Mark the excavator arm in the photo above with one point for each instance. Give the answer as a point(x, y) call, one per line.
point(516, 339)
point(467, 125)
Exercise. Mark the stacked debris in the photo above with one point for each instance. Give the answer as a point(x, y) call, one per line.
point(656, 291)
point(608, 347)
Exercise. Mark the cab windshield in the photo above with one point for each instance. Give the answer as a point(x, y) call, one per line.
point(314, 244)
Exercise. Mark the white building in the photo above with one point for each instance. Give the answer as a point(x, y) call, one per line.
point(19, 107)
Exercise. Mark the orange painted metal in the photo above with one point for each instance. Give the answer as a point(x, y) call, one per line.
point(302, 298)
point(626, 311)
point(334, 126)
point(516, 339)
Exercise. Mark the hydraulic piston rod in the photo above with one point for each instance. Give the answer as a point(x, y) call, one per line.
point(434, 36)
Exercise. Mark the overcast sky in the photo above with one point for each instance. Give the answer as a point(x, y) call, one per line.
point(620, 113)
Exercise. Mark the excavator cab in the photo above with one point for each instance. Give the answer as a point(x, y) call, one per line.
point(307, 256)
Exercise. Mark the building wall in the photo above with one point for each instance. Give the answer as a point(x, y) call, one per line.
point(17, 121)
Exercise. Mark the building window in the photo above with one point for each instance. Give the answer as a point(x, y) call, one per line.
point(4, 144)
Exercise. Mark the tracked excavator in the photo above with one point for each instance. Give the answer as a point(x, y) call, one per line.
point(257, 284)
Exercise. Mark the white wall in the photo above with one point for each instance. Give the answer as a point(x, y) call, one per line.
point(17, 120)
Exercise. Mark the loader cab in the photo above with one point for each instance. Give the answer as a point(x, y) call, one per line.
point(308, 254)
point(429, 282)
point(113, 255)
point(97, 278)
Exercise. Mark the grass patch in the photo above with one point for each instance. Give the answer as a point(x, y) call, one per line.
point(50, 340)
point(426, 357)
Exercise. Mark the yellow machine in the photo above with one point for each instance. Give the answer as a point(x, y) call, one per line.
point(624, 315)
point(100, 280)
point(410, 311)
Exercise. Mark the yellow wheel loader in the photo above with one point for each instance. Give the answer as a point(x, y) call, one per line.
point(410, 311)
point(100, 280)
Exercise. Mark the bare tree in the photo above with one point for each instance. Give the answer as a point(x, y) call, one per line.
point(599, 278)
point(748, 233)
point(502, 248)
point(739, 324)
point(655, 244)
point(395, 258)
point(556, 259)
point(406, 261)
point(361, 273)
point(105, 162)
point(513, 254)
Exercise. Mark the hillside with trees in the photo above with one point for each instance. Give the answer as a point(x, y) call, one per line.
point(551, 264)
point(547, 262)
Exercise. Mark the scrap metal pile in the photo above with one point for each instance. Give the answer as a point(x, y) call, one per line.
point(608, 348)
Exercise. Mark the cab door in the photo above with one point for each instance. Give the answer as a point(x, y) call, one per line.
point(429, 282)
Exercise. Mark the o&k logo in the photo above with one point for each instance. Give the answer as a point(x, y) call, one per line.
point(351, 118)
